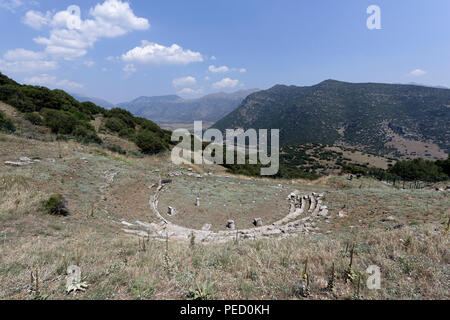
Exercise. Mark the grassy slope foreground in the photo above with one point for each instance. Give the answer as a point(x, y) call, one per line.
point(405, 232)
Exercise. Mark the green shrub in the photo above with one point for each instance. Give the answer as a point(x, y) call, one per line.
point(61, 122)
point(124, 115)
point(116, 149)
point(6, 123)
point(116, 125)
point(127, 133)
point(34, 118)
point(91, 108)
point(149, 142)
point(56, 205)
point(148, 124)
point(85, 134)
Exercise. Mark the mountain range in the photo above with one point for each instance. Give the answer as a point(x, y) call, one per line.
point(174, 109)
point(402, 120)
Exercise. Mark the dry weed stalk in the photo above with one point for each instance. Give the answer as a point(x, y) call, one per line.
point(330, 286)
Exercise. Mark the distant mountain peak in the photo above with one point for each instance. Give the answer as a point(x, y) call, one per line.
point(355, 114)
point(175, 109)
point(158, 98)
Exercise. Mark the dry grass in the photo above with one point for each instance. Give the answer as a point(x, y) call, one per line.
point(414, 258)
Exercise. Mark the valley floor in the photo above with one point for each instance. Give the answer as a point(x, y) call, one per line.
point(404, 232)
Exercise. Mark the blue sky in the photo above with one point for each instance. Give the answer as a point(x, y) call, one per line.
point(120, 50)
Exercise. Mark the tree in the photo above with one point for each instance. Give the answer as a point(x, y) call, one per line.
point(418, 169)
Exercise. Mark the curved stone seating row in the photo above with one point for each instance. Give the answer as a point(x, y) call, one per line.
point(291, 224)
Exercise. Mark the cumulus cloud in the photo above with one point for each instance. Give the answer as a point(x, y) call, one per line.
point(21, 60)
point(36, 19)
point(129, 69)
point(184, 82)
point(71, 36)
point(11, 5)
point(225, 69)
point(417, 72)
point(153, 53)
point(214, 69)
point(52, 81)
point(226, 83)
point(23, 54)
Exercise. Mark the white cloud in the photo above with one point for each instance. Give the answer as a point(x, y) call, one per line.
point(11, 5)
point(112, 58)
point(225, 69)
point(190, 92)
point(52, 81)
point(21, 60)
point(184, 82)
point(129, 69)
point(207, 78)
point(153, 53)
point(226, 83)
point(89, 63)
point(214, 69)
point(213, 58)
point(27, 66)
point(36, 19)
point(71, 36)
point(23, 54)
point(417, 72)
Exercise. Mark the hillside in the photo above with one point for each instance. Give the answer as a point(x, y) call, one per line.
point(37, 110)
point(174, 109)
point(385, 119)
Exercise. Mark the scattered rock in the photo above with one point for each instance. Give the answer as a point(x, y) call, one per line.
point(257, 222)
point(231, 225)
point(171, 211)
point(14, 164)
point(342, 214)
point(23, 161)
point(127, 224)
